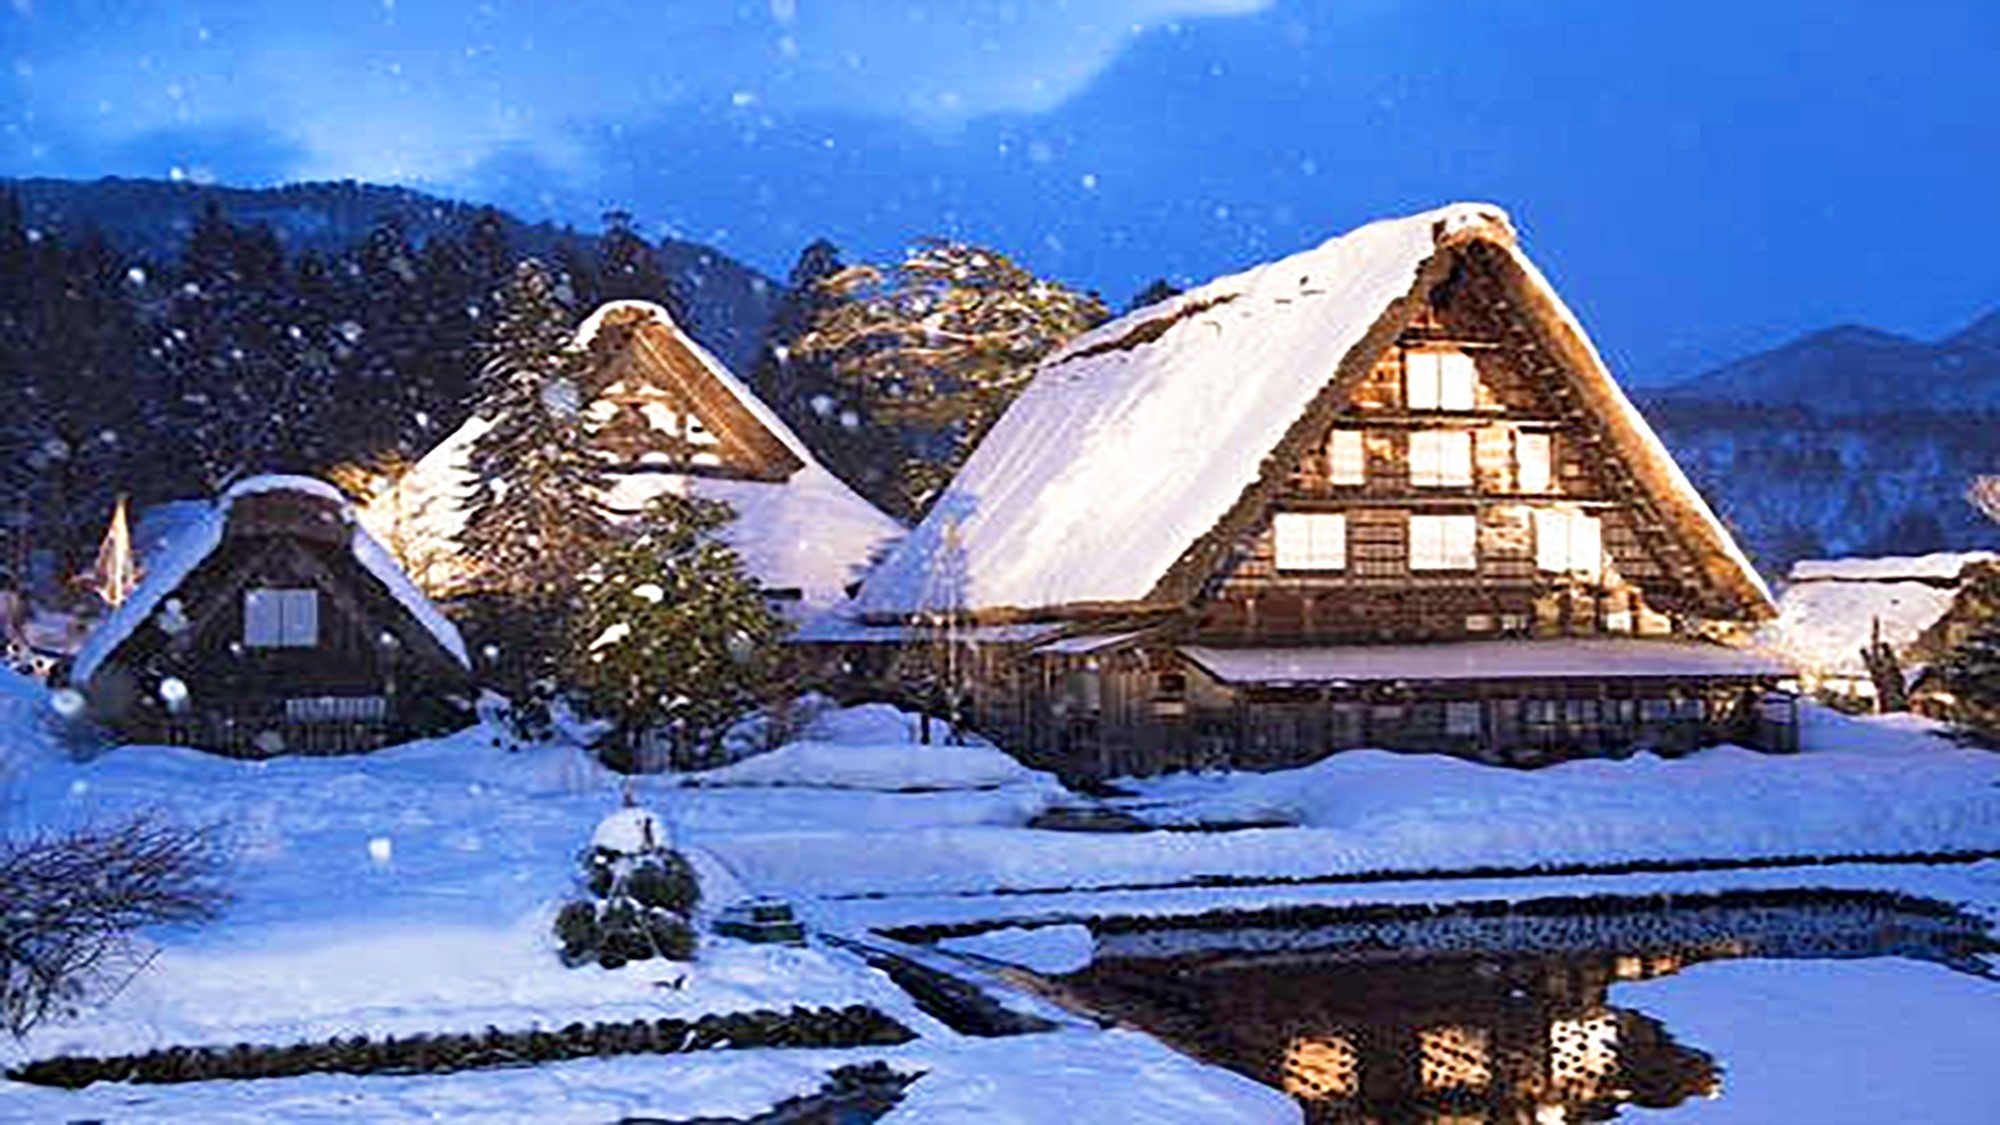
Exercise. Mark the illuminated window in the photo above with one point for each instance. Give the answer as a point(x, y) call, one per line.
point(1310, 540)
point(1346, 457)
point(1444, 542)
point(1441, 458)
point(1532, 461)
point(1455, 1058)
point(1439, 380)
point(1325, 1067)
point(1568, 543)
point(280, 618)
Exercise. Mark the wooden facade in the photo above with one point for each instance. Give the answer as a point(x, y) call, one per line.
point(655, 406)
point(276, 628)
point(1467, 476)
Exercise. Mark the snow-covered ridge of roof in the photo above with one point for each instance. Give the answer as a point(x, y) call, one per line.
point(1940, 566)
point(1652, 448)
point(192, 546)
point(1116, 458)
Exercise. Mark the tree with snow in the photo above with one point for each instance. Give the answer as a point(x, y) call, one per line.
point(534, 520)
point(671, 636)
point(935, 348)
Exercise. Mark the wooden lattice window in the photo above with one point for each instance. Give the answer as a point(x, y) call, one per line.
point(1441, 458)
point(1569, 542)
point(1310, 540)
point(280, 618)
point(1533, 457)
point(1346, 458)
point(1435, 379)
point(1444, 542)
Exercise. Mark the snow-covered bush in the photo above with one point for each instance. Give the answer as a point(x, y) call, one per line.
point(72, 905)
point(643, 895)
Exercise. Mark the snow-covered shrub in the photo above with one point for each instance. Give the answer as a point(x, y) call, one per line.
point(643, 894)
point(72, 905)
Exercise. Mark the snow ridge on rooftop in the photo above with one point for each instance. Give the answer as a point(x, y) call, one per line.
point(1116, 458)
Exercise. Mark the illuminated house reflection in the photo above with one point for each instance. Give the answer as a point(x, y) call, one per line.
point(1439, 1040)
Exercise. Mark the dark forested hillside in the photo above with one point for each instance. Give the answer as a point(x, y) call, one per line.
point(153, 219)
point(158, 340)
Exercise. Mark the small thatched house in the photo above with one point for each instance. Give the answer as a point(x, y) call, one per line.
point(666, 417)
point(1381, 493)
point(272, 623)
point(1830, 610)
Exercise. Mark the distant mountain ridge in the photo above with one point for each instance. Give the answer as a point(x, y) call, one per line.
point(1854, 369)
point(730, 302)
point(1845, 441)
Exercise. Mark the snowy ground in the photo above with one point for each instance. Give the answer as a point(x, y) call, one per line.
point(412, 890)
point(1833, 1042)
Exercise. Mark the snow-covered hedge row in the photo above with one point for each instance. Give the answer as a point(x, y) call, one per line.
point(855, 1026)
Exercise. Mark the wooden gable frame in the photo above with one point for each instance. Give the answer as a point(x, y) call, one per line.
point(650, 363)
point(1684, 536)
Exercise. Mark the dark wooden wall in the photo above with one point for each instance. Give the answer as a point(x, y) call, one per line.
point(1378, 597)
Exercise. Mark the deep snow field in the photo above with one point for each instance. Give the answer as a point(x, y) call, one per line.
point(413, 890)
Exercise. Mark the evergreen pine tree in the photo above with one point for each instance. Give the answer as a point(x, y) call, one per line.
point(935, 348)
point(802, 386)
point(1969, 674)
point(672, 636)
point(534, 519)
point(629, 268)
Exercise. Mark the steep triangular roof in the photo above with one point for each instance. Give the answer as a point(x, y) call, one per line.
point(804, 530)
point(664, 355)
point(1118, 476)
point(194, 543)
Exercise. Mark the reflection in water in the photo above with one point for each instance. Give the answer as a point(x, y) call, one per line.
point(1449, 1040)
point(1488, 1017)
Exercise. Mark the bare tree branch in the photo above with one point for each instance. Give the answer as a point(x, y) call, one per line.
point(71, 906)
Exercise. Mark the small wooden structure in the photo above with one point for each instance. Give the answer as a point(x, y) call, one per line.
point(275, 625)
point(1915, 608)
point(1381, 493)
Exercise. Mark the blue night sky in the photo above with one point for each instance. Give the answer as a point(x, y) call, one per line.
point(1701, 179)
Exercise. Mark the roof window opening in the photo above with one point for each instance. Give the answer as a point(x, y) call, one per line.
point(280, 618)
point(1437, 379)
point(1310, 540)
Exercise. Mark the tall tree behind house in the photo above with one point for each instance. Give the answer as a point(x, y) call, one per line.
point(803, 387)
point(533, 522)
point(935, 347)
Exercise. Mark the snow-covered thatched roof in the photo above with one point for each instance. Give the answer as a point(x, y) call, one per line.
point(1822, 626)
point(809, 532)
point(1137, 441)
point(1940, 566)
point(202, 532)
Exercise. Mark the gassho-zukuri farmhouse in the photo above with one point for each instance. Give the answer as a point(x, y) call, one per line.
point(1381, 493)
point(666, 416)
